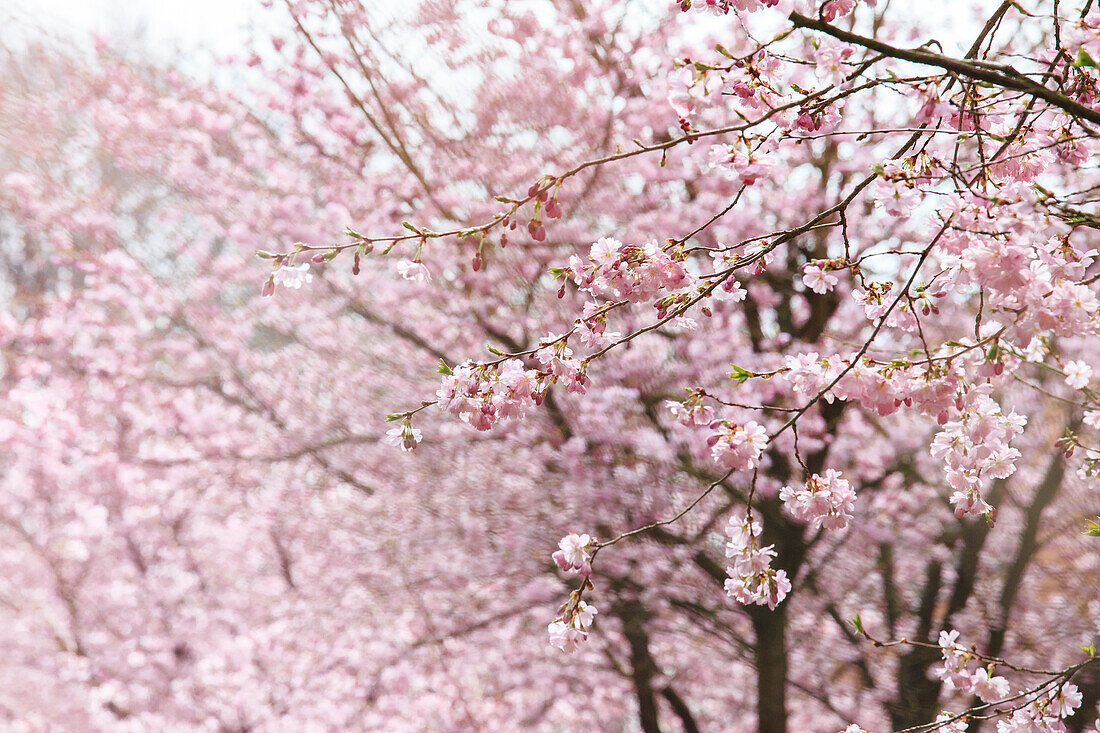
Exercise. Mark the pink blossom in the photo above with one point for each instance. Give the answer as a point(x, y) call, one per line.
point(817, 279)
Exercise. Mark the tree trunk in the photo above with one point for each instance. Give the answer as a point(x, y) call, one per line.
point(771, 668)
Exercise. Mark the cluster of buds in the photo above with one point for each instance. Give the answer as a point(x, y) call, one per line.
point(545, 203)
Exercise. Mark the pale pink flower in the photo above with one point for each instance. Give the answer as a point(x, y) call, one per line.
point(293, 276)
point(1066, 701)
point(817, 279)
point(1078, 374)
point(405, 437)
point(565, 637)
point(414, 271)
point(574, 549)
point(585, 614)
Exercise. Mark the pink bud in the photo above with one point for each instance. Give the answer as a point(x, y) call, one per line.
point(318, 258)
point(559, 560)
point(586, 569)
point(269, 288)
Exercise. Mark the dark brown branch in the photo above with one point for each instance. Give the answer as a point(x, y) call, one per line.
point(999, 75)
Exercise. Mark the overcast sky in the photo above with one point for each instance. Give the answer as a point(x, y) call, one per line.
point(218, 25)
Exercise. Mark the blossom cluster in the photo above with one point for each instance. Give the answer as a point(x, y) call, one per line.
point(692, 412)
point(737, 447)
point(574, 554)
point(974, 443)
point(959, 672)
point(825, 501)
point(881, 388)
point(629, 272)
point(975, 446)
point(752, 579)
point(742, 162)
point(570, 628)
point(1045, 713)
point(1040, 287)
point(482, 394)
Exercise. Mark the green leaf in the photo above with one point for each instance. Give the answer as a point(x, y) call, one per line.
point(394, 416)
point(410, 227)
point(331, 254)
point(265, 255)
point(722, 50)
point(1090, 650)
point(494, 350)
point(740, 375)
point(442, 368)
point(1093, 528)
point(1083, 59)
point(857, 623)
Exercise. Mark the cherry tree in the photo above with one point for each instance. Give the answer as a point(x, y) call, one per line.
point(743, 348)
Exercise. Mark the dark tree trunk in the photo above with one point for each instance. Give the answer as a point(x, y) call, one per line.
point(771, 668)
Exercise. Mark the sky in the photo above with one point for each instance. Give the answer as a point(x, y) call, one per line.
point(186, 25)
